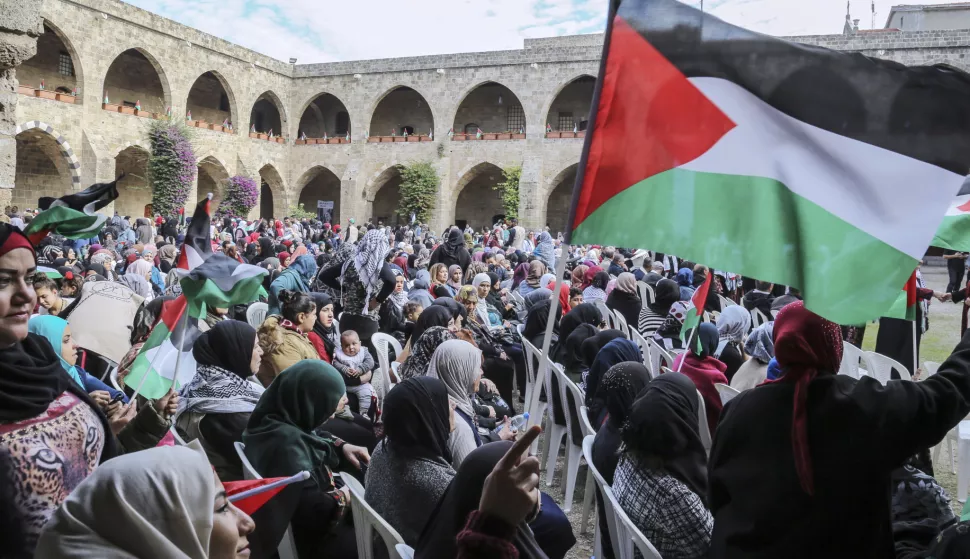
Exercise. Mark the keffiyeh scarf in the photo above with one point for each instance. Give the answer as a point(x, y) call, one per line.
point(216, 390)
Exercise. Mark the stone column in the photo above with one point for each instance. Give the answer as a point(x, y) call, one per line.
point(531, 207)
point(20, 25)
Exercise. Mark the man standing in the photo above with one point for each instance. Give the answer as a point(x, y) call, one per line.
point(352, 231)
point(955, 264)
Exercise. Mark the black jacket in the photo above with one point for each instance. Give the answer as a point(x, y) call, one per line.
point(760, 301)
point(858, 431)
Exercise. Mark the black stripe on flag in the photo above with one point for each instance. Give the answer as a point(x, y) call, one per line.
point(922, 112)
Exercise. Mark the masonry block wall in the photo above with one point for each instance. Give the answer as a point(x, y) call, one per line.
point(165, 64)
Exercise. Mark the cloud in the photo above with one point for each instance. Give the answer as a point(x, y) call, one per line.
point(329, 30)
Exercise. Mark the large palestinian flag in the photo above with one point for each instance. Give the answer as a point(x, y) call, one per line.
point(170, 343)
point(954, 232)
point(817, 169)
point(74, 215)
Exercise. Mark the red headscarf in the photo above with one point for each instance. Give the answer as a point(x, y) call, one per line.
point(563, 295)
point(589, 275)
point(806, 346)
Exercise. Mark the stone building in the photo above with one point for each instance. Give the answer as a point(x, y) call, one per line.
point(107, 50)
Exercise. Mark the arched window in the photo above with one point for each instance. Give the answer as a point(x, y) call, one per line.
point(471, 128)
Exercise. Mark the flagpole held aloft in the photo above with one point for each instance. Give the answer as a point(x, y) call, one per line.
point(178, 356)
point(690, 342)
point(547, 339)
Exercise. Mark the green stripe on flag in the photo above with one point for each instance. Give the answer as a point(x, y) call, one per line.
point(152, 385)
point(760, 228)
point(899, 309)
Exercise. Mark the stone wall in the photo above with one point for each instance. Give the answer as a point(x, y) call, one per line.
point(20, 25)
point(546, 78)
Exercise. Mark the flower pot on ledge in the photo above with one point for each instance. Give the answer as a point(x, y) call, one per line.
point(553, 135)
point(459, 137)
point(66, 98)
point(489, 136)
point(388, 139)
point(261, 136)
point(111, 107)
point(253, 135)
point(300, 142)
point(25, 90)
point(518, 136)
point(373, 139)
point(414, 138)
point(280, 140)
point(44, 94)
point(192, 123)
point(426, 139)
point(144, 114)
point(126, 110)
point(581, 134)
point(567, 134)
point(399, 139)
point(505, 136)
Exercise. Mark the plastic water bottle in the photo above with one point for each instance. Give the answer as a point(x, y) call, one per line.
point(520, 422)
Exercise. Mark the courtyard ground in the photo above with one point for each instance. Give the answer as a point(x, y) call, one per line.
point(936, 345)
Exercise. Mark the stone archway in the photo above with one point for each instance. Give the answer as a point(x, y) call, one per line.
point(560, 198)
point(320, 184)
point(73, 164)
point(42, 168)
point(386, 197)
point(489, 107)
point(56, 63)
point(402, 108)
point(267, 115)
point(211, 100)
point(212, 177)
point(135, 193)
point(570, 108)
point(133, 77)
point(325, 116)
point(271, 193)
point(477, 203)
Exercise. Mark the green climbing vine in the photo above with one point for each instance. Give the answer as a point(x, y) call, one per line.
point(171, 165)
point(419, 189)
point(509, 189)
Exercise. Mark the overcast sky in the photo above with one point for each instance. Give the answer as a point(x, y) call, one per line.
point(330, 30)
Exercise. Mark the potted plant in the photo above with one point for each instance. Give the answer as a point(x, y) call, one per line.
point(518, 136)
point(125, 110)
point(503, 136)
point(44, 94)
point(25, 90)
point(459, 137)
point(427, 139)
point(414, 138)
point(66, 98)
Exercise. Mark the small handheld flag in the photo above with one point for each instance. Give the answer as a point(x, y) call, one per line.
point(138, 105)
point(250, 495)
point(695, 311)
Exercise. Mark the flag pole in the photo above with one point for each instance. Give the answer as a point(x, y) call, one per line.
point(178, 356)
point(550, 323)
point(915, 347)
point(302, 476)
point(690, 344)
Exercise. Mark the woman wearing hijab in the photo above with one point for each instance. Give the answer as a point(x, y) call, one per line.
point(620, 350)
point(416, 364)
point(324, 336)
point(281, 439)
point(454, 279)
point(705, 370)
point(685, 281)
point(497, 364)
point(167, 255)
point(411, 467)
point(420, 289)
point(364, 282)
point(519, 275)
point(216, 404)
point(597, 289)
point(859, 422)
point(582, 323)
point(661, 478)
point(545, 250)
point(283, 337)
point(497, 301)
point(391, 315)
point(761, 348)
point(732, 326)
point(143, 231)
point(458, 364)
point(624, 298)
point(621, 386)
point(668, 335)
point(452, 251)
point(544, 534)
point(296, 277)
point(533, 279)
point(164, 499)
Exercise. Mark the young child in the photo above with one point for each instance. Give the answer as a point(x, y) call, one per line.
point(356, 365)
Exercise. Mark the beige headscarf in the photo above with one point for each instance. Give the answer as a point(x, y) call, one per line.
point(456, 363)
point(151, 503)
point(627, 282)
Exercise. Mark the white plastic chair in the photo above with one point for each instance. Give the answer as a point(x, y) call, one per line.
point(705, 430)
point(644, 348)
point(630, 536)
point(553, 432)
point(758, 318)
point(366, 521)
point(382, 342)
point(113, 378)
point(605, 312)
point(533, 387)
point(574, 452)
point(931, 367)
point(726, 392)
point(646, 294)
point(404, 551)
point(659, 357)
point(882, 368)
point(256, 314)
point(520, 328)
point(608, 503)
point(725, 302)
point(179, 441)
point(287, 547)
point(855, 362)
point(621, 324)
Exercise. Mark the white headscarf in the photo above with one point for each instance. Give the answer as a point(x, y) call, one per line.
point(732, 326)
point(481, 308)
point(456, 363)
point(155, 502)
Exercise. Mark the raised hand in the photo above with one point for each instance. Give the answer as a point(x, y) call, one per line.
point(511, 491)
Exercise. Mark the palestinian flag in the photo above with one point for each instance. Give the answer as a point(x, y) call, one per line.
point(695, 311)
point(905, 305)
point(251, 494)
point(211, 278)
point(954, 232)
point(73, 216)
point(816, 169)
point(154, 371)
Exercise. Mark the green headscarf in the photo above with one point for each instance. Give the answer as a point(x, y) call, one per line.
point(279, 438)
point(52, 328)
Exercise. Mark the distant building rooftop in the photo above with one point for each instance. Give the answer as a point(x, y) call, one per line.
point(925, 8)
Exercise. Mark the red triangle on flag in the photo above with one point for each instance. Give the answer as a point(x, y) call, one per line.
point(249, 505)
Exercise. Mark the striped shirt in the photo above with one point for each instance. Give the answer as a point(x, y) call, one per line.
point(649, 322)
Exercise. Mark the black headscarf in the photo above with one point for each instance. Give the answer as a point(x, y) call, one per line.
point(586, 316)
point(265, 250)
point(438, 541)
point(455, 242)
point(538, 318)
point(456, 308)
point(621, 385)
point(601, 280)
point(663, 424)
point(708, 336)
point(229, 345)
point(592, 346)
point(586, 313)
point(328, 335)
point(416, 419)
point(618, 351)
point(435, 315)
point(666, 294)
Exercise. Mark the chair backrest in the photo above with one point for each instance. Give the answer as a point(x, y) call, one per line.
point(659, 357)
point(706, 316)
point(725, 302)
point(113, 378)
point(366, 521)
point(930, 367)
point(630, 536)
point(855, 362)
point(382, 343)
point(646, 293)
point(520, 328)
point(249, 472)
point(518, 298)
point(256, 314)
point(552, 370)
point(404, 551)
point(287, 546)
point(621, 324)
point(705, 430)
point(605, 311)
point(588, 428)
point(883, 368)
point(644, 348)
point(605, 492)
point(758, 318)
point(179, 441)
point(569, 391)
point(533, 368)
point(726, 392)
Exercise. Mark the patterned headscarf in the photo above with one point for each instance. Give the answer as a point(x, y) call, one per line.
point(416, 364)
point(760, 344)
point(806, 346)
point(369, 259)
